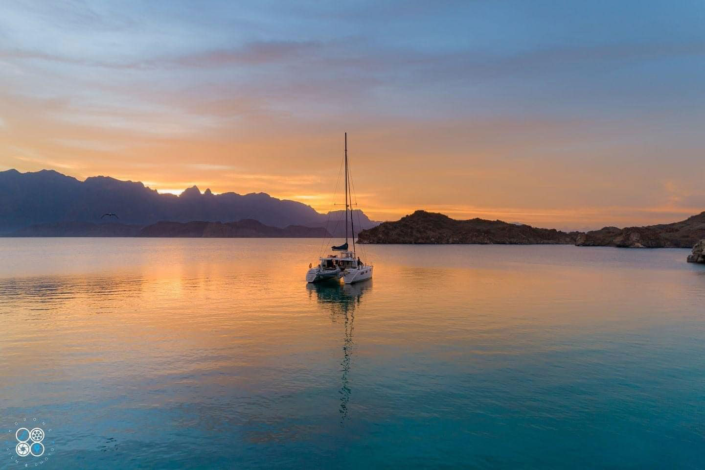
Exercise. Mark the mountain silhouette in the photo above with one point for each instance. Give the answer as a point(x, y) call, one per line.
point(49, 197)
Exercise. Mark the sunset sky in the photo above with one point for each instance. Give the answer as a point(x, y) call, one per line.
point(567, 114)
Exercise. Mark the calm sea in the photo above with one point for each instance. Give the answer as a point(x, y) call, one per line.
point(198, 353)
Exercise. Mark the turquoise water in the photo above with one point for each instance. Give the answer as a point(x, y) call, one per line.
point(215, 354)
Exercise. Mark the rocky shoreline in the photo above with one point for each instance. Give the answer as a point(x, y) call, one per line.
point(423, 227)
point(684, 234)
point(698, 254)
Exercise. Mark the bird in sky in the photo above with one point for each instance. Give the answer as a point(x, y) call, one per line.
point(110, 214)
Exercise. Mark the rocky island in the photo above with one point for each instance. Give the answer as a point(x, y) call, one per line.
point(423, 227)
point(684, 234)
point(698, 255)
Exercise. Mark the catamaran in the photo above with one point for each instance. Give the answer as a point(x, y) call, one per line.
point(344, 264)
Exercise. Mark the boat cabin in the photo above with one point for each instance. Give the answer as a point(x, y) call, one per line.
point(343, 261)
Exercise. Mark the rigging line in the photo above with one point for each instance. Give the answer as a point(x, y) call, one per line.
point(348, 187)
point(359, 223)
point(323, 239)
point(361, 247)
point(352, 187)
point(352, 222)
point(327, 240)
point(352, 184)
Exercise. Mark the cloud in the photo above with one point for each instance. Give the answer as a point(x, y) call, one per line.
point(254, 53)
point(40, 163)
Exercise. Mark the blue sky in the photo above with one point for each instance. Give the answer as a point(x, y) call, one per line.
point(573, 114)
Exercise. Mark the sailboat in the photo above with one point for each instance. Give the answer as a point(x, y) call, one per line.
point(344, 263)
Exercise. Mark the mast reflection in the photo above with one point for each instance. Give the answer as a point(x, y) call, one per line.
point(342, 300)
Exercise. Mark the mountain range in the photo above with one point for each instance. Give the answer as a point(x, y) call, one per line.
point(48, 203)
point(51, 199)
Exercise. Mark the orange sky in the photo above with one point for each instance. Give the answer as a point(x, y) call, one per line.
point(551, 116)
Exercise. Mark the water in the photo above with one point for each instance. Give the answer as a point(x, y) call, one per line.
point(215, 354)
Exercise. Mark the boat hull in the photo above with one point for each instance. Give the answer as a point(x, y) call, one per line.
point(351, 276)
point(317, 275)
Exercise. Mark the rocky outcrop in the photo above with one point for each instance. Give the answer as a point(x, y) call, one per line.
point(423, 227)
point(682, 234)
point(698, 255)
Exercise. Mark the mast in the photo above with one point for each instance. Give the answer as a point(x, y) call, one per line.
point(346, 189)
point(352, 224)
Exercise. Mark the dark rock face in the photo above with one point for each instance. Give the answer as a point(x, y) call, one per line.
point(78, 229)
point(698, 255)
point(430, 228)
point(47, 197)
point(683, 234)
point(241, 229)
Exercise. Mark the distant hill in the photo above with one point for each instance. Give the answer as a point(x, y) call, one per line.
point(77, 229)
point(242, 229)
point(423, 227)
point(429, 228)
point(48, 197)
point(684, 234)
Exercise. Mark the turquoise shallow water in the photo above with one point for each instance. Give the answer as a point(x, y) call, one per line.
point(215, 354)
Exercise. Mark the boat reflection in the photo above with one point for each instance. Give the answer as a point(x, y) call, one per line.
point(342, 300)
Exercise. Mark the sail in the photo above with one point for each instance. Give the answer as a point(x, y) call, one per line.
point(343, 247)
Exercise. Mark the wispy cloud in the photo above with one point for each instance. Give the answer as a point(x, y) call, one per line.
point(254, 53)
point(43, 163)
point(210, 167)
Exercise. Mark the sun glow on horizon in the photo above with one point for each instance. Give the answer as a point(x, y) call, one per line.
point(175, 192)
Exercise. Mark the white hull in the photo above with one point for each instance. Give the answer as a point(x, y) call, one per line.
point(320, 275)
point(353, 275)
